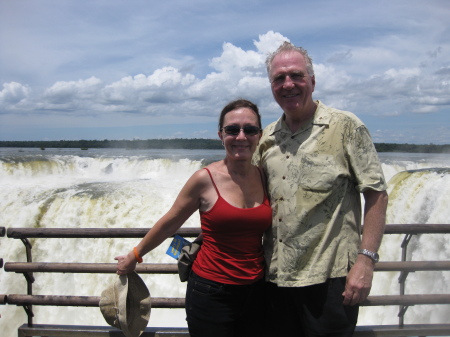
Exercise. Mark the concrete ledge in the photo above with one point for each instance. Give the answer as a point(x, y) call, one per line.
point(406, 330)
point(95, 331)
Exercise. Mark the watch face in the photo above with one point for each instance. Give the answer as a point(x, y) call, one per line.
point(376, 257)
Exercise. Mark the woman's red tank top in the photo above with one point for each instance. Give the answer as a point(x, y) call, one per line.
point(232, 252)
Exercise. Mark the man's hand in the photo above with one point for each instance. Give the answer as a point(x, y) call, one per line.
point(359, 281)
point(359, 278)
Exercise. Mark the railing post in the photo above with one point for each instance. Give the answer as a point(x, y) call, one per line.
point(402, 279)
point(30, 280)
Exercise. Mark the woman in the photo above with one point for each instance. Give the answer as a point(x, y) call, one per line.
point(224, 294)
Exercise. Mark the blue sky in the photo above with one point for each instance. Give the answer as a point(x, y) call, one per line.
point(113, 69)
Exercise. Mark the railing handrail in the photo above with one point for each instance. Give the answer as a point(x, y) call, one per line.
point(179, 302)
point(22, 233)
point(171, 268)
point(98, 268)
point(80, 233)
point(83, 301)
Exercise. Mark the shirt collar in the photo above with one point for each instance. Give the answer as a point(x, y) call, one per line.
point(321, 117)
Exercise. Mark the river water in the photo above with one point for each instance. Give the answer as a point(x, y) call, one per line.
point(116, 188)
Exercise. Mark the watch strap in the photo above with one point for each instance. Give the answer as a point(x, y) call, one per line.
point(374, 256)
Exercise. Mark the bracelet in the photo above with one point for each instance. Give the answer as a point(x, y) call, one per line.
point(136, 255)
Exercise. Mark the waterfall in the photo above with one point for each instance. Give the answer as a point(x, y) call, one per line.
point(418, 196)
point(133, 189)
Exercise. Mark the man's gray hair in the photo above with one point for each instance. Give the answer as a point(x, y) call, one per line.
point(289, 47)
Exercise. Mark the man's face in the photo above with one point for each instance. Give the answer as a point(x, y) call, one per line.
point(292, 87)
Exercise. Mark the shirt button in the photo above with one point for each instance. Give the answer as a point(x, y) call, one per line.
point(280, 240)
point(284, 177)
point(287, 157)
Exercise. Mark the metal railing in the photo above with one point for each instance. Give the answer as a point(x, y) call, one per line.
point(29, 268)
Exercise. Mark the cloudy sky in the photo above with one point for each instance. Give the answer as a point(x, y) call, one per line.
point(141, 69)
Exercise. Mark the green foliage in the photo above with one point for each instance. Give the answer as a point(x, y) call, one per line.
point(193, 143)
point(180, 143)
point(414, 148)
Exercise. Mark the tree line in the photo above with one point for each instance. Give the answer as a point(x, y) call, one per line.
point(193, 143)
point(413, 148)
point(177, 143)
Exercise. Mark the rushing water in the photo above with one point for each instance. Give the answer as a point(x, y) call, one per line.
point(115, 188)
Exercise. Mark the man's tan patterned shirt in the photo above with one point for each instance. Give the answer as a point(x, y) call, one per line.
point(315, 177)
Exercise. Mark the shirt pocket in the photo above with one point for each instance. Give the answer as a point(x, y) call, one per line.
point(318, 172)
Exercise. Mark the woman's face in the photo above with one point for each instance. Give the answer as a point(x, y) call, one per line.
point(242, 145)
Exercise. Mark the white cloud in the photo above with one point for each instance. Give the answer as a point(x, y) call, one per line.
point(66, 92)
point(426, 108)
point(213, 84)
point(135, 93)
point(331, 79)
point(241, 73)
point(269, 42)
point(69, 96)
point(236, 61)
point(140, 65)
point(253, 86)
point(13, 93)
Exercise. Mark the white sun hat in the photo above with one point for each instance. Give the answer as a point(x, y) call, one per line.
point(126, 304)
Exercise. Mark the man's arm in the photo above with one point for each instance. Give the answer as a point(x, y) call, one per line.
point(359, 278)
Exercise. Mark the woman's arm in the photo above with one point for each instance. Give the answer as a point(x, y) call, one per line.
point(186, 203)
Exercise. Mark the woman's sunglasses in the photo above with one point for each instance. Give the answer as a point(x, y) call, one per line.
point(234, 130)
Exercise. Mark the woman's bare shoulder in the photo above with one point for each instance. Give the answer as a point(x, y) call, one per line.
point(201, 178)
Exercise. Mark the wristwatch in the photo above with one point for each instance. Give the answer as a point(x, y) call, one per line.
point(374, 256)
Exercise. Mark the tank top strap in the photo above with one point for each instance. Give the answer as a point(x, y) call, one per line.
point(210, 175)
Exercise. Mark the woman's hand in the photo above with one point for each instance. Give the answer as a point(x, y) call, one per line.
point(126, 263)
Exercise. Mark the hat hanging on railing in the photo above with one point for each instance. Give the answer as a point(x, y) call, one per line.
point(126, 304)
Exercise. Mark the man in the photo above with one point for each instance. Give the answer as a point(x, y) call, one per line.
point(318, 160)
